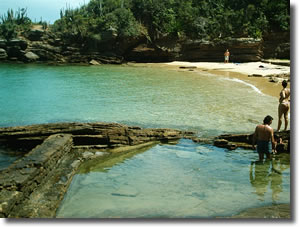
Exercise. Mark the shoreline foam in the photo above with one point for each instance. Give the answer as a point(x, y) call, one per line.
point(239, 71)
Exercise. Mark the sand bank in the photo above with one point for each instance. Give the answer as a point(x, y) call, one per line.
point(250, 68)
point(243, 71)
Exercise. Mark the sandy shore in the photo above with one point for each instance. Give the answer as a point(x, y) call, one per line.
point(244, 71)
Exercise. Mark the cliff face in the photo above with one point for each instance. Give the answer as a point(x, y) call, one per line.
point(39, 45)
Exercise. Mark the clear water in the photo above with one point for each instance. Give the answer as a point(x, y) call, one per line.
point(8, 156)
point(143, 96)
point(186, 180)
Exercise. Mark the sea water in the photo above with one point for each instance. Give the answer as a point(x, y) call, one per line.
point(184, 180)
point(142, 96)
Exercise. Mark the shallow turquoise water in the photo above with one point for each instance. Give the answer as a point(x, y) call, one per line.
point(186, 180)
point(143, 96)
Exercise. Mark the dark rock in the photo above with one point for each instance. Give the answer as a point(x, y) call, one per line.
point(21, 44)
point(188, 67)
point(35, 34)
point(148, 53)
point(3, 43)
point(220, 142)
point(3, 54)
point(233, 141)
point(255, 75)
point(276, 45)
point(14, 52)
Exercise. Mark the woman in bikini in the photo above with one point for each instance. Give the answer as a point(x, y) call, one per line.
point(284, 105)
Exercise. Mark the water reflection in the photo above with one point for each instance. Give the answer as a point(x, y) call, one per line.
point(182, 180)
point(268, 174)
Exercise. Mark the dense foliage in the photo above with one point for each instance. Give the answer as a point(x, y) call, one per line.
point(201, 19)
point(196, 19)
point(14, 22)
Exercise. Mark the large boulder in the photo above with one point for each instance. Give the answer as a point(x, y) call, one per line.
point(46, 52)
point(3, 54)
point(30, 57)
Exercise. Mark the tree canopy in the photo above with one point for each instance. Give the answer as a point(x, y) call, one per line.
point(194, 19)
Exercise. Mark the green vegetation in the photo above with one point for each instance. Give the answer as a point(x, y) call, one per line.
point(194, 19)
point(13, 23)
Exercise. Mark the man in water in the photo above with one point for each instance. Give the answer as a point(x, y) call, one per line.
point(264, 138)
point(226, 56)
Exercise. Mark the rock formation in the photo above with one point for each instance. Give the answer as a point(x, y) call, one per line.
point(111, 49)
point(35, 184)
point(234, 141)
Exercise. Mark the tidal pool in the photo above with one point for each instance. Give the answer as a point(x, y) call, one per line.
point(186, 180)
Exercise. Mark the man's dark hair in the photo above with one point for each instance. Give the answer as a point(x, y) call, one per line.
point(268, 119)
point(284, 83)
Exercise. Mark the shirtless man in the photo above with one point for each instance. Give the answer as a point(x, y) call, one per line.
point(284, 106)
point(264, 137)
point(226, 56)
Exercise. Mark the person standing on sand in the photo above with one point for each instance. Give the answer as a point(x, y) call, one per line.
point(284, 106)
point(226, 56)
point(264, 138)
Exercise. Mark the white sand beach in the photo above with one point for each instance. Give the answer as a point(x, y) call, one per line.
point(250, 68)
point(257, 73)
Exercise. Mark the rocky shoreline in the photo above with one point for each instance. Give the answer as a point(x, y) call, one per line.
point(42, 45)
point(34, 185)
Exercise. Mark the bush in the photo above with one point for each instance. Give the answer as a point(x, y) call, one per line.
point(14, 23)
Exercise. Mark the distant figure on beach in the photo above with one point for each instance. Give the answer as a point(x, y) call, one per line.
point(264, 138)
point(284, 105)
point(226, 56)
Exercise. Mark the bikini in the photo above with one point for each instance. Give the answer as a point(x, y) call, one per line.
point(285, 100)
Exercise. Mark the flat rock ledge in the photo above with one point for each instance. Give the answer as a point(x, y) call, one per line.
point(34, 185)
point(244, 141)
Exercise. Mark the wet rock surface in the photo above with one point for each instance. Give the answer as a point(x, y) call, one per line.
point(234, 141)
point(34, 185)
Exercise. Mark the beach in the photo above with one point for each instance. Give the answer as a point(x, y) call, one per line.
point(258, 74)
